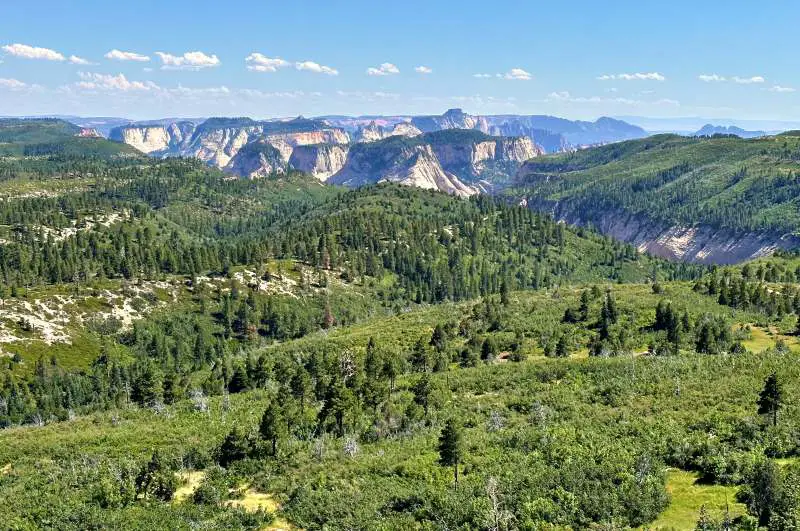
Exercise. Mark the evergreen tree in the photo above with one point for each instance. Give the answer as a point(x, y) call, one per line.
point(770, 399)
point(272, 427)
point(451, 447)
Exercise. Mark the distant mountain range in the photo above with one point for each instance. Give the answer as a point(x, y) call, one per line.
point(711, 130)
point(485, 155)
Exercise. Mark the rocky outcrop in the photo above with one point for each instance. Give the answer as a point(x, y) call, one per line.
point(405, 129)
point(288, 141)
point(473, 153)
point(461, 162)
point(257, 159)
point(373, 132)
point(218, 140)
point(452, 119)
point(320, 160)
point(404, 163)
point(154, 139)
point(698, 243)
point(89, 132)
point(147, 139)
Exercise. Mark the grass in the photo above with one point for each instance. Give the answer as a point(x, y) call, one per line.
point(190, 480)
point(688, 495)
point(761, 339)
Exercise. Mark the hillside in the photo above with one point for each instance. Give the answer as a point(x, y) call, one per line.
point(537, 429)
point(711, 200)
point(182, 348)
point(457, 161)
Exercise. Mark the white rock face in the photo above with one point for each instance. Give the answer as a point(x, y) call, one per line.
point(219, 146)
point(698, 243)
point(286, 142)
point(405, 129)
point(373, 132)
point(519, 149)
point(322, 160)
point(147, 139)
point(424, 171)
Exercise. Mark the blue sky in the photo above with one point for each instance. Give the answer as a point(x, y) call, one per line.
point(581, 59)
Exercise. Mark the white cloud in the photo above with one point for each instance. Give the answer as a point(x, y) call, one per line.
point(370, 96)
point(257, 62)
point(564, 96)
point(779, 88)
point(117, 55)
point(12, 84)
point(311, 66)
point(188, 61)
point(638, 76)
point(74, 59)
point(518, 73)
point(423, 70)
point(482, 76)
point(711, 78)
point(33, 52)
point(254, 93)
point(118, 83)
point(748, 80)
point(197, 92)
point(385, 69)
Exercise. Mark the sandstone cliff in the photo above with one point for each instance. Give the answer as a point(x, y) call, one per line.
point(320, 160)
point(461, 162)
point(257, 159)
point(154, 139)
point(452, 119)
point(218, 140)
point(408, 164)
point(373, 132)
point(696, 243)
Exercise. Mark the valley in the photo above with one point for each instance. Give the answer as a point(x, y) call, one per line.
point(183, 347)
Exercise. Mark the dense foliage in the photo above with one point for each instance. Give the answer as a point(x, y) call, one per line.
point(722, 182)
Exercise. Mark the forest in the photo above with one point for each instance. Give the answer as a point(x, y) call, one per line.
point(184, 350)
point(723, 181)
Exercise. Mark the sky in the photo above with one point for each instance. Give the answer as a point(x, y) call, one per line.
point(265, 59)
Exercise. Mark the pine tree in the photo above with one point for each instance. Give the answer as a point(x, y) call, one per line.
point(451, 447)
point(272, 427)
point(770, 399)
point(422, 392)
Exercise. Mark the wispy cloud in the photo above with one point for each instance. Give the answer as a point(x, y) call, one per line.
point(711, 78)
point(107, 82)
point(74, 59)
point(482, 76)
point(25, 51)
point(780, 88)
point(257, 62)
point(317, 68)
point(385, 69)
point(117, 55)
point(748, 80)
point(519, 74)
point(638, 76)
point(369, 96)
point(423, 70)
point(13, 84)
point(188, 61)
point(566, 97)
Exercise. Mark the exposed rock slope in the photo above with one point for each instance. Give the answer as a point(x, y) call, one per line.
point(320, 160)
point(461, 162)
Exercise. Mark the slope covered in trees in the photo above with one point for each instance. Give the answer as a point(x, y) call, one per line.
point(722, 183)
point(179, 347)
